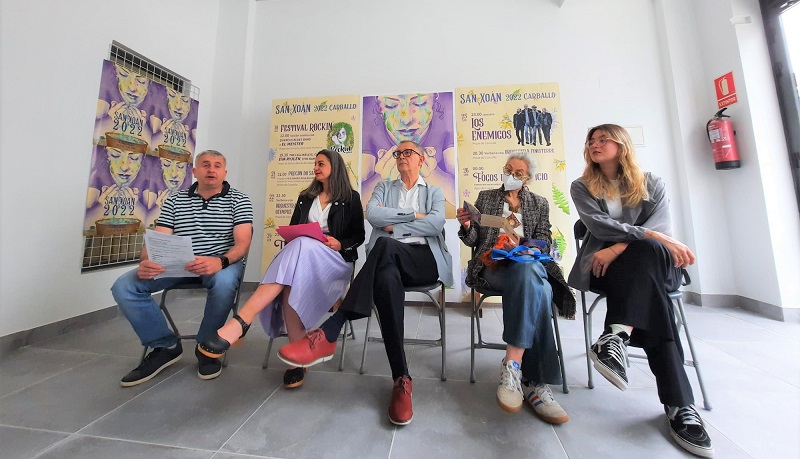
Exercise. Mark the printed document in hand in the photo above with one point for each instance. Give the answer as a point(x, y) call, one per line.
point(171, 252)
point(491, 221)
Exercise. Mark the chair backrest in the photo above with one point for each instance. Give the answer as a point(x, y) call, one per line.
point(579, 231)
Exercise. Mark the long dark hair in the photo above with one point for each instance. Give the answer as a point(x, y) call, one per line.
point(339, 187)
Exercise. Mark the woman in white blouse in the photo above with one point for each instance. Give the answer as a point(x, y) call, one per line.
point(307, 276)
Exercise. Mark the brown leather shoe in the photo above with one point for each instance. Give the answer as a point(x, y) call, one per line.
point(400, 410)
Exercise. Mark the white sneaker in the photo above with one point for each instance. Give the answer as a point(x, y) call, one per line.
point(509, 392)
point(546, 407)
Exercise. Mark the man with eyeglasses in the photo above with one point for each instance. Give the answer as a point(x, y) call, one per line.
point(406, 248)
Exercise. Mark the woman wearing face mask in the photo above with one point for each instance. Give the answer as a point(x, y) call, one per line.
point(531, 361)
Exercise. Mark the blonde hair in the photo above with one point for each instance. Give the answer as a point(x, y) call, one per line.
point(633, 184)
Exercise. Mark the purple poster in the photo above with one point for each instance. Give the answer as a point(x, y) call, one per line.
point(424, 118)
point(143, 145)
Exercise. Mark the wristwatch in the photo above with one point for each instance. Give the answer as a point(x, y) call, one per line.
point(225, 261)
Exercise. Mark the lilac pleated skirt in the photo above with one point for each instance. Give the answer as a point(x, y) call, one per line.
point(317, 275)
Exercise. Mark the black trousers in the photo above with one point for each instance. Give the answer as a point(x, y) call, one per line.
point(636, 286)
point(546, 130)
point(520, 135)
point(390, 267)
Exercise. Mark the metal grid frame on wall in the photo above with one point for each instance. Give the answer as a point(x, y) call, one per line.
point(131, 60)
point(104, 251)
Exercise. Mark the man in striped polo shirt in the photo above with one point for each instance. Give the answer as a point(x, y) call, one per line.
point(219, 219)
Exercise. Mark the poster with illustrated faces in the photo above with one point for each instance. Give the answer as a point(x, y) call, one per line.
point(425, 118)
point(143, 147)
point(300, 128)
point(495, 121)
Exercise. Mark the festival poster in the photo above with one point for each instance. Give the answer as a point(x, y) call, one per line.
point(494, 121)
point(143, 145)
point(425, 118)
point(300, 129)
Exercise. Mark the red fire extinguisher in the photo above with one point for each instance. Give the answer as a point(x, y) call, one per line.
point(723, 141)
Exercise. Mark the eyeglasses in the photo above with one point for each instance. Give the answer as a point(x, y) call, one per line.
point(600, 142)
point(518, 175)
point(406, 153)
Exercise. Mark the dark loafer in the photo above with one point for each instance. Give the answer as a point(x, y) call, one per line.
point(293, 377)
point(216, 346)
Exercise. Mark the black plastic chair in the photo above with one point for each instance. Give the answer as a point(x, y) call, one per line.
point(440, 306)
point(580, 231)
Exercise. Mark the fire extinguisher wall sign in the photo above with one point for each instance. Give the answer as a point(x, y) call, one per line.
point(723, 141)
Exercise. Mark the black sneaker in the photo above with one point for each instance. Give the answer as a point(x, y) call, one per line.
point(293, 377)
point(158, 359)
point(688, 430)
point(207, 367)
point(610, 354)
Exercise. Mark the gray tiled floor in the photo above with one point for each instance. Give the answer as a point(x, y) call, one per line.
point(62, 399)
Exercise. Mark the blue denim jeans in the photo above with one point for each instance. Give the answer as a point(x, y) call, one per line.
point(527, 309)
point(528, 133)
point(134, 297)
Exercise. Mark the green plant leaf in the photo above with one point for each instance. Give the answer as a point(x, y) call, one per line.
point(560, 241)
point(560, 199)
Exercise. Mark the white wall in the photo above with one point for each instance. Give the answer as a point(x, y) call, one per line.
point(631, 62)
point(760, 110)
point(690, 104)
point(744, 224)
point(365, 47)
point(51, 53)
point(625, 61)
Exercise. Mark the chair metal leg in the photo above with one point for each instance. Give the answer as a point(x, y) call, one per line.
point(478, 323)
point(168, 316)
point(694, 363)
point(587, 337)
point(442, 341)
point(344, 342)
point(269, 351)
point(366, 340)
point(472, 341)
point(441, 306)
point(564, 386)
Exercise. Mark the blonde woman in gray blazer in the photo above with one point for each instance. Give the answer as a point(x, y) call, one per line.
point(630, 255)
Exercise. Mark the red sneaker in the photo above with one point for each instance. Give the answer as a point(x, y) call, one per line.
point(400, 410)
point(314, 348)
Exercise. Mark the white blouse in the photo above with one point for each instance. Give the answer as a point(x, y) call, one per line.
point(320, 215)
point(615, 204)
point(518, 215)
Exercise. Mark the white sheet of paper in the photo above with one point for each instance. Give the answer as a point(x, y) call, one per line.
point(493, 221)
point(170, 251)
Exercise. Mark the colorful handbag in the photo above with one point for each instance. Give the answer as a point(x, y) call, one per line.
point(497, 255)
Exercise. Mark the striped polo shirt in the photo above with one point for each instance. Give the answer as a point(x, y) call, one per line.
point(208, 222)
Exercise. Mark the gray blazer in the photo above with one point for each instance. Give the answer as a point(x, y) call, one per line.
point(650, 214)
point(382, 211)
